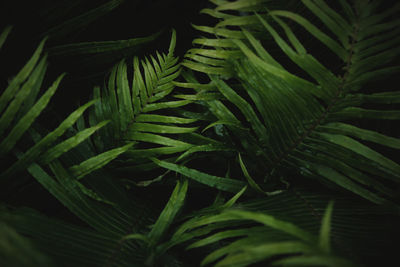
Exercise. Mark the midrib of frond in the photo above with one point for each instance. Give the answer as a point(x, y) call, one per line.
point(328, 109)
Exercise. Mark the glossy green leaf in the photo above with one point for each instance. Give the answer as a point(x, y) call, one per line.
point(224, 184)
point(221, 54)
point(169, 213)
point(22, 95)
point(26, 121)
point(225, 235)
point(15, 83)
point(124, 96)
point(226, 43)
point(38, 148)
point(244, 106)
point(201, 96)
point(164, 105)
point(215, 62)
point(233, 200)
point(361, 113)
point(363, 134)
point(214, 13)
point(163, 118)
point(56, 151)
point(156, 128)
point(96, 162)
point(196, 86)
point(238, 21)
point(202, 148)
point(363, 150)
point(317, 33)
point(343, 181)
point(205, 68)
point(220, 31)
point(250, 180)
point(339, 30)
point(157, 139)
point(272, 222)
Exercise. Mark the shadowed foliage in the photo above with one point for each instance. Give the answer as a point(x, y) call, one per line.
point(270, 141)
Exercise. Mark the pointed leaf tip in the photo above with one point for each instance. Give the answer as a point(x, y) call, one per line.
point(172, 43)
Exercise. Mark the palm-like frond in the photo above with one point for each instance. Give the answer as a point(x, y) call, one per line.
point(210, 54)
point(117, 235)
point(139, 112)
point(21, 105)
point(238, 241)
point(255, 230)
point(284, 112)
point(261, 244)
point(311, 125)
point(102, 205)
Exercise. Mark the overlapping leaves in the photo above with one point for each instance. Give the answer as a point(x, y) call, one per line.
point(261, 230)
point(210, 54)
point(116, 237)
point(142, 112)
point(282, 122)
point(312, 125)
point(21, 104)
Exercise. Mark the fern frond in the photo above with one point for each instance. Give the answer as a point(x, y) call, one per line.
point(140, 111)
point(296, 215)
point(212, 52)
point(303, 124)
point(21, 106)
point(86, 247)
point(240, 243)
point(117, 234)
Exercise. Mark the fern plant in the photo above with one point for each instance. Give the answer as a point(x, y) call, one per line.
point(21, 108)
point(308, 121)
point(272, 108)
point(135, 109)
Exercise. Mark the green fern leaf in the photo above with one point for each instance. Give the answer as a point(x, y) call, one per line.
point(292, 115)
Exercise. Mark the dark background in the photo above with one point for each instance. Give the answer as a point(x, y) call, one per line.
point(31, 20)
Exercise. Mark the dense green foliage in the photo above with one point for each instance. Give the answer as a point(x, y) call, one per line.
point(270, 143)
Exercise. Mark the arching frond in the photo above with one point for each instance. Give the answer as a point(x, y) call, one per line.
point(117, 235)
point(140, 111)
point(210, 54)
point(310, 121)
point(284, 156)
point(254, 230)
point(20, 106)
